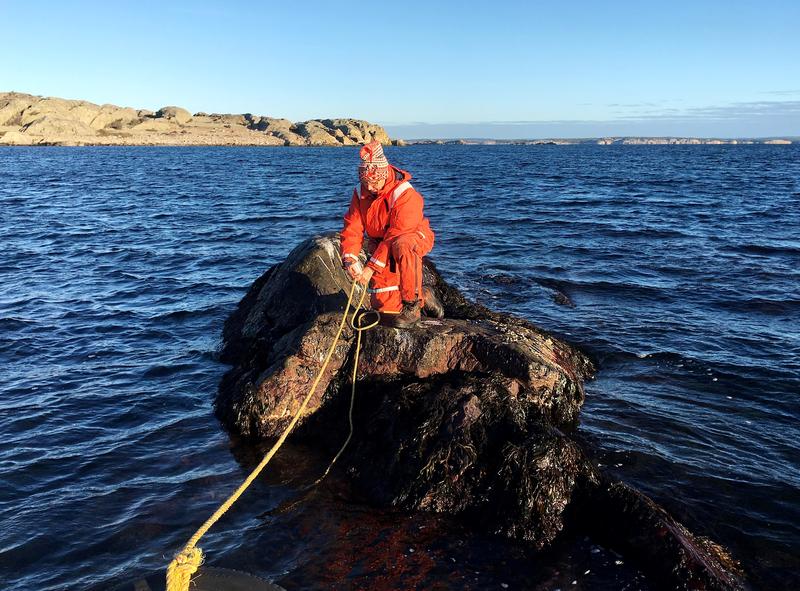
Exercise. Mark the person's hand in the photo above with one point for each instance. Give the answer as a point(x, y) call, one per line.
point(353, 270)
point(365, 276)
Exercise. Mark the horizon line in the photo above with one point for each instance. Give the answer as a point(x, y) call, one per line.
point(602, 137)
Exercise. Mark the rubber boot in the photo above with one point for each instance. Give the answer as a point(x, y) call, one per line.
point(409, 316)
point(433, 307)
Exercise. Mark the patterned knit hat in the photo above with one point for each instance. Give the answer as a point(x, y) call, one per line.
point(373, 166)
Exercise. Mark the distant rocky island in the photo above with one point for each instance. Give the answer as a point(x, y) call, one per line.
point(34, 120)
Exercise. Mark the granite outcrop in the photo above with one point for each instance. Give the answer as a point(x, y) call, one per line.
point(473, 415)
point(34, 120)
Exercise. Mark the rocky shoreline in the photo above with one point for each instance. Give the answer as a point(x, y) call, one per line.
point(28, 120)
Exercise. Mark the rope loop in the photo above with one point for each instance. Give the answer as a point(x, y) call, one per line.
point(182, 567)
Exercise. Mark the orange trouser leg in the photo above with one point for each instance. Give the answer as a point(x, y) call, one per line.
point(407, 251)
point(403, 279)
point(385, 291)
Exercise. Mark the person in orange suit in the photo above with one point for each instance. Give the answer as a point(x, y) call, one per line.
point(386, 208)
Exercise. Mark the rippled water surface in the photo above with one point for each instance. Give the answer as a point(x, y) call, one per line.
point(678, 268)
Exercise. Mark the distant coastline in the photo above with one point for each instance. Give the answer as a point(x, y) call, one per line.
point(607, 141)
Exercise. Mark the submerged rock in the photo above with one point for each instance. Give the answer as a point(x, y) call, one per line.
point(469, 415)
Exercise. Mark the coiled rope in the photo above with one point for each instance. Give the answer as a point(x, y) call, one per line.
point(188, 560)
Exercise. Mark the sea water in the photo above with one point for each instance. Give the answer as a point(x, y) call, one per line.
point(676, 267)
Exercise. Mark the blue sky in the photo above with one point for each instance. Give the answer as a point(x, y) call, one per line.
point(427, 69)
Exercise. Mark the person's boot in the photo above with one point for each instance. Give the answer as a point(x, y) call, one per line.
point(433, 307)
point(409, 316)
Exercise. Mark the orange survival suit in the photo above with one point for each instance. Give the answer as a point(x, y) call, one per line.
point(399, 235)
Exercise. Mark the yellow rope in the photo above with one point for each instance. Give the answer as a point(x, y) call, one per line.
point(188, 560)
point(359, 329)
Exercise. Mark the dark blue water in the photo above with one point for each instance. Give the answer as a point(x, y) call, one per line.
point(678, 268)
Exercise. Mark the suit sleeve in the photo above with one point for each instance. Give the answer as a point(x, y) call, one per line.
point(352, 234)
point(405, 217)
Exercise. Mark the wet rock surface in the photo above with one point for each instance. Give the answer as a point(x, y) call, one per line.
point(468, 415)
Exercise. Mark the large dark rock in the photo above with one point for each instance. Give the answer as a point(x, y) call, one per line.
point(469, 415)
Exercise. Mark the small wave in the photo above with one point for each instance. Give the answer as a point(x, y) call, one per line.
point(502, 279)
point(763, 305)
point(175, 315)
point(613, 357)
point(560, 295)
point(111, 314)
point(184, 314)
point(764, 249)
point(642, 233)
point(15, 323)
point(621, 288)
point(160, 371)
